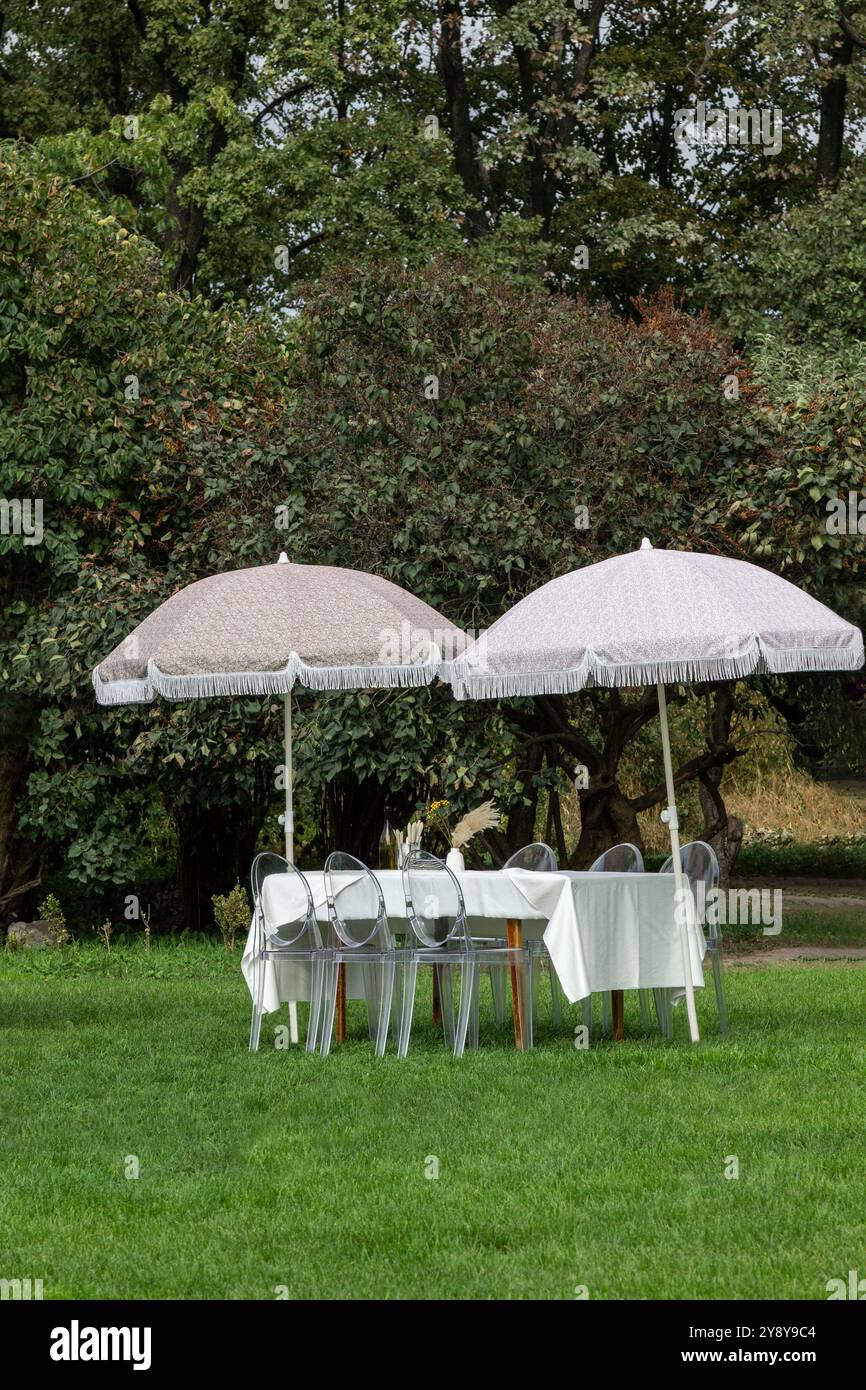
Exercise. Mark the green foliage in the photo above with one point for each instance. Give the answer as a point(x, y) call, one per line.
point(799, 278)
point(232, 915)
point(275, 143)
point(124, 476)
point(782, 858)
point(50, 911)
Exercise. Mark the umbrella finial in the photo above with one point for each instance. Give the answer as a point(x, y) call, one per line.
point(284, 559)
point(646, 544)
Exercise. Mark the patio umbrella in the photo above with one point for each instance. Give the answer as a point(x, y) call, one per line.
point(656, 616)
point(258, 631)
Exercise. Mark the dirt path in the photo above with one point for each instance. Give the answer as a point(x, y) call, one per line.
point(803, 955)
point(814, 894)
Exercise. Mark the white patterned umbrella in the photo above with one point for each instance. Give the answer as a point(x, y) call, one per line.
point(656, 616)
point(258, 631)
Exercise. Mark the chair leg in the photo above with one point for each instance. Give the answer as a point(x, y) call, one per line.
point(446, 996)
point(256, 1026)
point(293, 1020)
point(385, 997)
point(719, 982)
point(606, 1013)
point(535, 967)
point(317, 973)
point(410, 976)
point(525, 992)
point(664, 1013)
point(472, 1035)
point(644, 997)
point(497, 989)
point(371, 999)
point(467, 994)
point(331, 980)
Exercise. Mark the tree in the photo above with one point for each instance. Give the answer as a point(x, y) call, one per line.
point(443, 427)
point(116, 397)
point(258, 145)
point(801, 279)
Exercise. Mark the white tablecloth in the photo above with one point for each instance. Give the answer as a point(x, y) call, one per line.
point(603, 931)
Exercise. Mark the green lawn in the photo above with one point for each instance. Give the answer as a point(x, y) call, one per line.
point(834, 927)
point(556, 1169)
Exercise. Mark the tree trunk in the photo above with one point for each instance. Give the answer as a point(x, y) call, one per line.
point(607, 818)
point(351, 817)
point(449, 65)
point(721, 830)
point(831, 131)
point(18, 861)
point(352, 814)
point(216, 847)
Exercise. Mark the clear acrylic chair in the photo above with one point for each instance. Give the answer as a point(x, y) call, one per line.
point(361, 937)
point(286, 932)
point(700, 866)
point(436, 912)
point(619, 859)
point(538, 858)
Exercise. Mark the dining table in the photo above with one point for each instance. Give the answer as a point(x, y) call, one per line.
point(604, 932)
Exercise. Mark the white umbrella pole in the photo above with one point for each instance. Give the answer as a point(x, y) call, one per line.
point(673, 826)
point(288, 819)
point(289, 826)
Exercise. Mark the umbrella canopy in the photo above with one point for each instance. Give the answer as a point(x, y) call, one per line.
point(656, 616)
point(257, 631)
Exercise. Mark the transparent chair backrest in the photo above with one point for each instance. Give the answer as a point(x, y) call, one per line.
point(283, 902)
point(699, 862)
point(538, 858)
point(619, 859)
point(434, 900)
point(356, 907)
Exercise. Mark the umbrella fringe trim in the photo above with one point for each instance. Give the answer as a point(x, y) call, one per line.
point(126, 692)
point(376, 677)
point(775, 661)
point(240, 683)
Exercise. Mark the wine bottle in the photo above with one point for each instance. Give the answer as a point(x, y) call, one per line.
point(387, 844)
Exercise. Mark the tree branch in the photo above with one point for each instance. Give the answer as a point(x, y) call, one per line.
point(849, 28)
point(716, 757)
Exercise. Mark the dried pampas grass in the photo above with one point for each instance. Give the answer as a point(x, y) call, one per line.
point(484, 817)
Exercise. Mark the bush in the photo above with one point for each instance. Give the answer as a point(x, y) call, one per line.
point(232, 914)
point(835, 858)
point(51, 912)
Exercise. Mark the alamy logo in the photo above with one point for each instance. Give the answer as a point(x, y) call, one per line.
point(416, 646)
point(855, 1287)
point(22, 516)
point(729, 125)
point(77, 1343)
point(847, 515)
point(20, 1289)
point(742, 907)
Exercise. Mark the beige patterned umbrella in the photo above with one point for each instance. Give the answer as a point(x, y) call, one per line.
point(258, 631)
point(649, 617)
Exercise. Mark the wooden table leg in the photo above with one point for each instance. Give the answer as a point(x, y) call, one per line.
point(514, 936)
point(617, 1018)
point(340, 1020)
